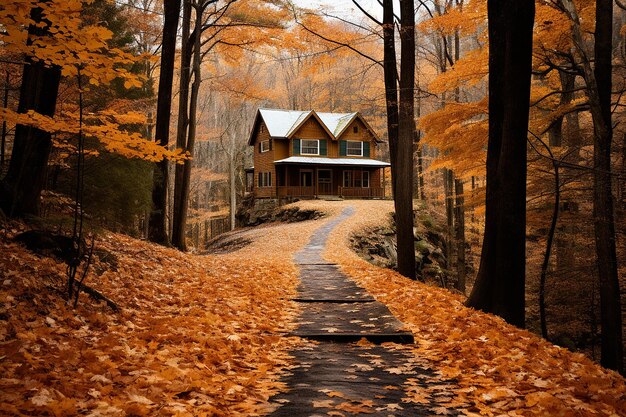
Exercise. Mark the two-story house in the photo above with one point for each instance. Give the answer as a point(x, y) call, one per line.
point(310, 154)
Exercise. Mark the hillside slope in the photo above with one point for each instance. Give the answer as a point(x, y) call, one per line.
point(196, 335)
point(205, 335)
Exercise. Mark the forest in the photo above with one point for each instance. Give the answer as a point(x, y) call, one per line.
point(129, 206)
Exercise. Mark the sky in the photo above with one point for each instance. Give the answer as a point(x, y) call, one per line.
point(343, 8)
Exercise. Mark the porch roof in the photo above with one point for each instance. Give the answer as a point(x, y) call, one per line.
point(360, 162)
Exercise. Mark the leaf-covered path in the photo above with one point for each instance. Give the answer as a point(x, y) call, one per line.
point(211, 335)
point(345, 373)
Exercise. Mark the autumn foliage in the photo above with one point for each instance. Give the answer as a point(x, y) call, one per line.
point(499, 369)
point(196, 335)
point(80, 49)
point(208, 334)
point(204, 335)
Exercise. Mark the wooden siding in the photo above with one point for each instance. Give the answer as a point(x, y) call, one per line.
point(283, 148)
point(311, 129)
point(263, 162)
point(363, 135)
point(376, 177)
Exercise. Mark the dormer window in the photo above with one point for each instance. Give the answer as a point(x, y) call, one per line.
point(354, 148)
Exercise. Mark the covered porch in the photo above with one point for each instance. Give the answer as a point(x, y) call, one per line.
point(349, 180)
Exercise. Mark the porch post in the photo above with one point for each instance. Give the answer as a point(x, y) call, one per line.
point(384, 182)
point(340, 182)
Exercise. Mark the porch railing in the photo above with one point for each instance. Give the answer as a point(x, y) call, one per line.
point(371, 192)
point(358, 192)
point(296, 191)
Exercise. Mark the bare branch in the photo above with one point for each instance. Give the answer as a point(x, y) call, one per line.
point(554, 93)
point(372, 18)
point(342, 44)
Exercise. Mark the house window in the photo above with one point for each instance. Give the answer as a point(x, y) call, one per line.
point(265, 179)
point(356, 179)
point(309, 147)
point(265, 146)
point(355, 129)
point(354, 148)
point(347, 178)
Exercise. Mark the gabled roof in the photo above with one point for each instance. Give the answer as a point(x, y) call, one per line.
point(280, 123)
point(337, 122)
point(284, 123)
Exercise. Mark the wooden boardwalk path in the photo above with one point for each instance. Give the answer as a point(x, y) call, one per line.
point(339, 376)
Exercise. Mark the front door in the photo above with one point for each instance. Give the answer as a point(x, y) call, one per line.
point(324, 182)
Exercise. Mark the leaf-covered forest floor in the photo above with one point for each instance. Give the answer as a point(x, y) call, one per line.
point(206, 335)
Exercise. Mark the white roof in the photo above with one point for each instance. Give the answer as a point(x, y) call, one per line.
point(336, 122)
point(332, 161)
point(282, 123)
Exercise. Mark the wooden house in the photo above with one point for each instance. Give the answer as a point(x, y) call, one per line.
point(310, 154)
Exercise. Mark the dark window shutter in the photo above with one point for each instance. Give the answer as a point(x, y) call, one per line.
point(259, 147)
point(342, 147)
point(296, 146)
point(269, 179)
point(323, 147)
point(271, 144)
point(366, 149)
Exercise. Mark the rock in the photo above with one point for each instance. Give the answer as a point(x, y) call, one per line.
point(378, 246)
point(424, 247)
point(437, 255)
point(435, 238)
point(267, 211)
point(387, 231)
point(390, 250)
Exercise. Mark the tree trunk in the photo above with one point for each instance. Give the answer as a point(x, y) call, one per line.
point(191, 139)
point(157, 231)
point(20, 190)
point(598, 88)
point(555, 133)
point(178, 220)
point(499, 286)
point(233, 191)
point(406, 136)
point(419, 180)
point(603, 216)
point(572, 127)
point(570, 137)
point(448, 192)
point(572, 131)
point(420, 171)
point(550, 239)
point(195, 233)
point(5, 104)
point(459, 221)
point(623, 180)
point(391, 87)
